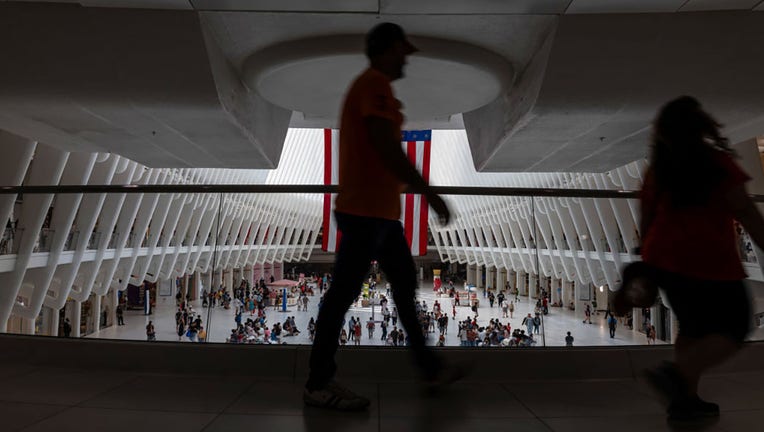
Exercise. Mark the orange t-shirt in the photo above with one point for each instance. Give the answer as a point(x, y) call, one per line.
point(366, 186)
point(697, 241)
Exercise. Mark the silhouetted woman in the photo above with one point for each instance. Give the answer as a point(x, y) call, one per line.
point(692, 191)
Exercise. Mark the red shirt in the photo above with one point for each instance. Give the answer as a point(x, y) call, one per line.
point(695, 241)
point(366, 186)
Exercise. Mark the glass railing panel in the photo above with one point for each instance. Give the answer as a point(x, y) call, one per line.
point(552, 258)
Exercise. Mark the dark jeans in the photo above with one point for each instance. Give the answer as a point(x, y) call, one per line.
point(365, 239)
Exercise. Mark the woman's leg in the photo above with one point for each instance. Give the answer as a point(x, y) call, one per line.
point(694, 356)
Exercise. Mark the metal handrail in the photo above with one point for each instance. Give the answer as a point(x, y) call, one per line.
point(319, 189)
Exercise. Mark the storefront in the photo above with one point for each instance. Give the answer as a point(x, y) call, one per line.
point(142, 297)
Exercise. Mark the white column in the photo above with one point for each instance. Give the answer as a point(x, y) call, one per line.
point(471, 272)
point(185, 284)
point(228, 279)
point(17, 153)
point(76, 317)
point(532, 286)
point(47, 168)
point(198, 283)
point(54, 322)
point(96, 312)
point(674, 326)
point(114, 301)
point(247, 274)
point(479, 276)
point(27, 326)
point(501, 279)
point(513, 277)
point(556, 291)
point(566, 293)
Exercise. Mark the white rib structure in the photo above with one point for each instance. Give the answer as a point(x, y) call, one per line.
point(86, 247)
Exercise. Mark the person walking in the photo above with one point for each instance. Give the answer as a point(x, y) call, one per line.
point(693, 191)
point(587, 315)
point(367, 211)
point(528, 323)
point(511, 309)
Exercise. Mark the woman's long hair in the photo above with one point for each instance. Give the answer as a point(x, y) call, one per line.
point(685, 140)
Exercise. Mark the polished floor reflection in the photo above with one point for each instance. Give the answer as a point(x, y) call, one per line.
point(46, 399)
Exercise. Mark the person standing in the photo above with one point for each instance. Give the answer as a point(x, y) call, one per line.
point(67, 328)
point(120, 315)
point(612, 323)
point(511, 309)
point(150, 333)
point(357, 333)
point(370, 327)
point(351, 327)
point(569, 340)
point(692, 193)
point(383, 325)
point(367, 210)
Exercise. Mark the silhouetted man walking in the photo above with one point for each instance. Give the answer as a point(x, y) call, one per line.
point(373, 171)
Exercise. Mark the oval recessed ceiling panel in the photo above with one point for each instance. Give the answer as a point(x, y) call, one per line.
point(442, 79)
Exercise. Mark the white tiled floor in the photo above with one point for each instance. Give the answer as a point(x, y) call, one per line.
point(556, 324)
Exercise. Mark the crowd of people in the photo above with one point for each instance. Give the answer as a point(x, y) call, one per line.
point(188, 324)
point(250, 305)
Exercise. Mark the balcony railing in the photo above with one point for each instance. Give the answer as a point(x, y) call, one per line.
point(537, 246)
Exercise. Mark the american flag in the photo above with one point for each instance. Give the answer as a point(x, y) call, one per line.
point(414, 208)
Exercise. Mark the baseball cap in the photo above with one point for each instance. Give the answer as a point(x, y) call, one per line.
point(382, 36)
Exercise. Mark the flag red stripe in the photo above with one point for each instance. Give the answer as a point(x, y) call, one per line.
point(327, 156)
point(408, 219)
point(327, 181)
point(424, 206)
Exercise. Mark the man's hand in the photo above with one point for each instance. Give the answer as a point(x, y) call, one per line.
point(440, 207)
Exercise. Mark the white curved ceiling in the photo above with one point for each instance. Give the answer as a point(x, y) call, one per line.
point(171, 87)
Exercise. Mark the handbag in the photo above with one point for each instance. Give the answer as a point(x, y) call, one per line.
point(639, 288)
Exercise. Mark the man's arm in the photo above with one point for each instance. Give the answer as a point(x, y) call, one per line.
point(387, 144)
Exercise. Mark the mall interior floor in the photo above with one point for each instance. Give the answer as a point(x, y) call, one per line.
point(555, 325)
